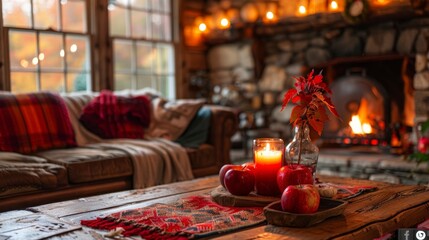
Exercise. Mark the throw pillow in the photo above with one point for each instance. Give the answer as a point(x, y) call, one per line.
point(33, 122)
point(171, 118)
point(111, 116)
point(198, 129)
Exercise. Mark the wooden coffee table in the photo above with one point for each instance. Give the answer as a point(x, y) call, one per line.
point(367, 216)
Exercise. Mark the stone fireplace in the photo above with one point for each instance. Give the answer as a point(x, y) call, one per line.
point(380, 72)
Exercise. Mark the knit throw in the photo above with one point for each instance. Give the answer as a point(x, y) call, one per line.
point(190, 217)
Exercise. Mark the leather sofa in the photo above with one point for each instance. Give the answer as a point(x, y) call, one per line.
point(60, 174)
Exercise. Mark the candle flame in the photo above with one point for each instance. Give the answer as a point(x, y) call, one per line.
point(267, 147)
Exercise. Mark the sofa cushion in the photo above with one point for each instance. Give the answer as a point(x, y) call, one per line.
point(87, 165)
point(169, 119)
point(197, 131)
point(34, 121)
point(110, 116)
point(21, 173)
point(201, 157)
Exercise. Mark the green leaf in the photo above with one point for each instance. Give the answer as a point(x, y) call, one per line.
point(425, 126)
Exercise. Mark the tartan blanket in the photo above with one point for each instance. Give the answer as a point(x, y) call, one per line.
point(190, 217)
point(34, 121)
point(110, 116)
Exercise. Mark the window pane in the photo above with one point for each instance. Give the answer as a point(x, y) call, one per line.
point(74, 16)
point(123, 55)
point(22, 50)
point(77, 52)
point(157, 26)
point(123, 81)
point(166, 27)
point(46, 14)
point(165, 59)
point(52, 82)
point(145, 57)
point(23, 82)
point(140, 24)
point(166, 86)
point(156, 5)
point(16, 13)
point(140, 4)
point(77, 82)
point(120, 2)
point(118, 22)
point(145, 81)
point(166, 6)
point(50, 51)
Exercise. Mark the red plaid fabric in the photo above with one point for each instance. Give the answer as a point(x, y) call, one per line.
point(34, 121)
point(110, 116)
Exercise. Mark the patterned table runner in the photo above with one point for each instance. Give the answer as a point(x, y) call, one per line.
point(194, 216)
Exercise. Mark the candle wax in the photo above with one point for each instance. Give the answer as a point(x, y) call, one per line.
point(267, 163)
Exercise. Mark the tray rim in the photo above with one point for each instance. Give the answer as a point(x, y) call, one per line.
point(269, 211)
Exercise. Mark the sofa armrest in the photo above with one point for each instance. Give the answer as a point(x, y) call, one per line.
point(223, 124)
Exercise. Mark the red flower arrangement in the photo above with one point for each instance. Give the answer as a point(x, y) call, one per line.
point(311, 98)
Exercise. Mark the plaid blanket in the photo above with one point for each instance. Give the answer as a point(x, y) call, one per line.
point(194, 216)
point(34, 121)
point(110, 116)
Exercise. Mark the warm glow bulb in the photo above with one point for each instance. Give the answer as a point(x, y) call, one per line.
point(24, 63)
point(382, 2)
point(334, 5)
point(41, 56)
point(35, 61)
point(302, 9)
point(73, 48)
point(269, 15)
point(202, 27)
point(224, 22)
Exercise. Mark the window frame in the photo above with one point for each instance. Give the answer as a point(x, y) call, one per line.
point(173, 42)
point(100, 46)
point(5, 68)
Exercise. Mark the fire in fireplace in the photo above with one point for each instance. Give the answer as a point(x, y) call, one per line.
point(364, 107)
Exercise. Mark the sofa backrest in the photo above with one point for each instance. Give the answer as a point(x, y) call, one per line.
point(75, 102)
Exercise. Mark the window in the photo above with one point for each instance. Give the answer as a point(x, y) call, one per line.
point(55, 44)
point(143, 50)
point(48, 45)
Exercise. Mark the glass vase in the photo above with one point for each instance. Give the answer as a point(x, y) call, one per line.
point(301, 150)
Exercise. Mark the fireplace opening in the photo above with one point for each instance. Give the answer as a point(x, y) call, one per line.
point(364, 108)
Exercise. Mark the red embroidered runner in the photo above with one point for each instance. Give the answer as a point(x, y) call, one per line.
point(195, 216)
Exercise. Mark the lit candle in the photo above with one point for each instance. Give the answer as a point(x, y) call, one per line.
point(268, 157)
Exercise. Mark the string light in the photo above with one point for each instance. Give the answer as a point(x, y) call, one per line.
point(202, 27)
point(333, 5)
point(302, 9)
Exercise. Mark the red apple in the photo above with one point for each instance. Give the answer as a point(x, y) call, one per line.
point(225, 169)
point(249, 166)
point(293, 175)
point(300, 199)
point(423, 145)
point(239, 182)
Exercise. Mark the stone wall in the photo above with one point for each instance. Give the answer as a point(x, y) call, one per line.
point(285, 56)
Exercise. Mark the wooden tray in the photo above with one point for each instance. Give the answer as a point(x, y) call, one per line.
point(221, 196)
point(327, 208)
